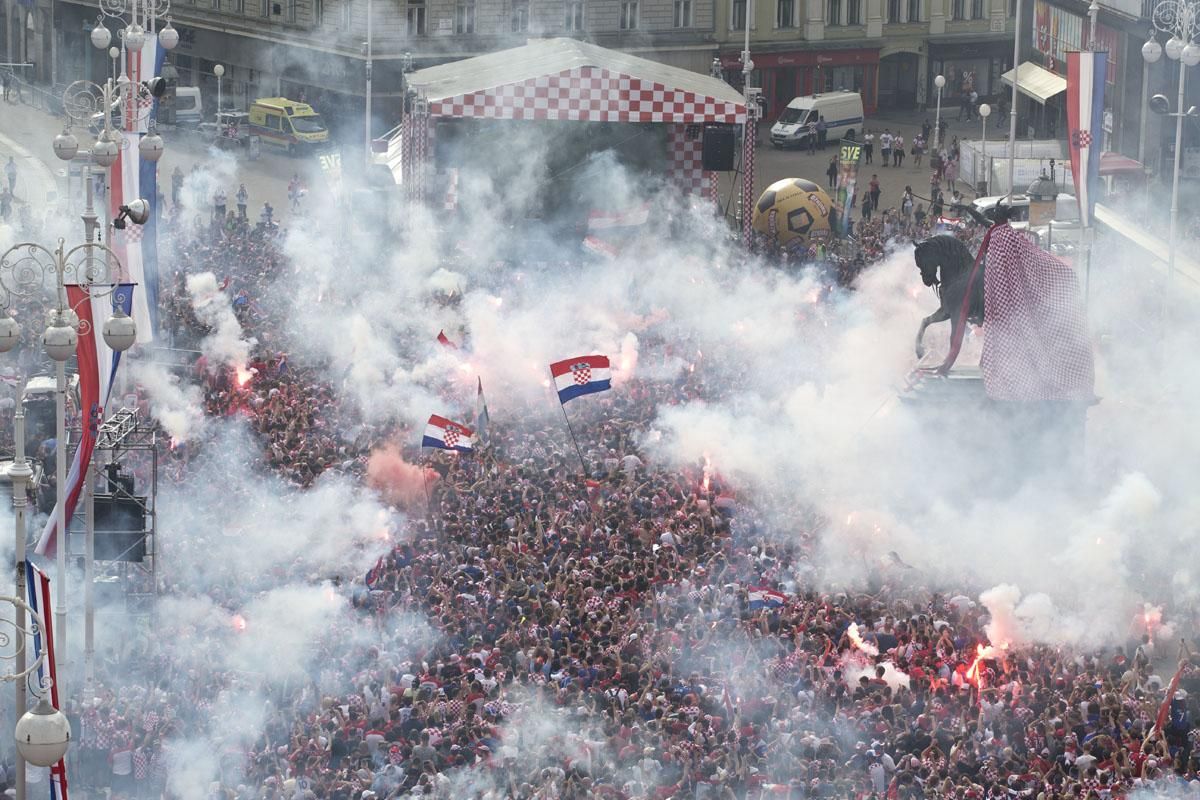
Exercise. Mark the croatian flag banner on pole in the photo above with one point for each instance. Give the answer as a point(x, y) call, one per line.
point(130, 179)
point(762, 597)
point(37, 584)
point(446, 435)
point(97, 374)
point(1086, 73)
point(575, 377)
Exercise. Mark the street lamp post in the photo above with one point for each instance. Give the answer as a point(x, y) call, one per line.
point(1181, 21)
point(985, 111)
point(939, 82)
point(41, 735)
point(219, 71)
point(24, 268)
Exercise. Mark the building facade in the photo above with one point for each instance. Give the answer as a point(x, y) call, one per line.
point(316, 49)
point(889, 50)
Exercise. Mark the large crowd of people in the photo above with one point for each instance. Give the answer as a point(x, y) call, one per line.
point(629, 633)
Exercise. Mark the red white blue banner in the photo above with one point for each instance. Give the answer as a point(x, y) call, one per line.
point(37, 586)
point(1085, 123)
point(97, 371)
point(575, 377)
point(446, 435)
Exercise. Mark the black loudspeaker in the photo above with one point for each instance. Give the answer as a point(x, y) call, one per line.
point(120, 528)
point(719, 144)
point(446, 139)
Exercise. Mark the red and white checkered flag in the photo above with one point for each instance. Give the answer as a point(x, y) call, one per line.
point(1035, 344)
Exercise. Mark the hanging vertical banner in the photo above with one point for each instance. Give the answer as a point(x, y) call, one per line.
point(849, 154)
point(1085, 121)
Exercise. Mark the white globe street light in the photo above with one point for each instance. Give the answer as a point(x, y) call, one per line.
point(101, 36)
point(1151, 51)
point(66, 145)
point(985, 111)
point(168, 37)
point(43, 734)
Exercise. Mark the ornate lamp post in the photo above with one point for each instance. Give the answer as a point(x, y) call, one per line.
point(1181, 21)
point(94, 268)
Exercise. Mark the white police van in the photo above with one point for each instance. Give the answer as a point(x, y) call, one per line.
point(843, 113)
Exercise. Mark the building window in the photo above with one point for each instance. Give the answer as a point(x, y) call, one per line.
point(319, 12)
point(347, 10)
point(264, 7)
point(737, 15)
point(1012, 8)
point(239, 6)
point(216, 4)
point(573, 20)
point(416, 17)
point(520, 16)
point(914, 10)
point(464, 16)
point(893, 11)
point(854, 12)
point(683, 13)
point(629, 15)
point(976, 9)
point(291, 10)
point(785, 13)
point(959, 10)
point(833, 12)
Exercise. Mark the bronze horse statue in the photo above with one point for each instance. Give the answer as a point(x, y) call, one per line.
point(946, 264)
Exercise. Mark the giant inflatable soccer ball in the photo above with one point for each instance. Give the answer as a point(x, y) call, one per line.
point(793, 212)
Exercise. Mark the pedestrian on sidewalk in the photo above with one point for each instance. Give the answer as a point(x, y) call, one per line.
point(10, 172)
point(868, 147)
point(6, 199)
point(831, 172)
point(918, 149)
point(242, 197)
point(926, 129)
point(821, 133)
point(898, 151)
point(885, 146)
point(219, 206)
point(812, 137)
point(176, 185)
point(875, 192)
point(294, 184)
point(8, 86)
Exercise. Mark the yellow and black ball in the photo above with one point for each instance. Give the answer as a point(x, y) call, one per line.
point(794, 212)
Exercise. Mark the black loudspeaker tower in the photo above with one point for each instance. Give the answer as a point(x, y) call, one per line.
point(719, 144)
point(120, 528)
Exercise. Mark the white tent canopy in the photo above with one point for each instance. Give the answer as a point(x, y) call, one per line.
point(1036, 82)
point(551, 56)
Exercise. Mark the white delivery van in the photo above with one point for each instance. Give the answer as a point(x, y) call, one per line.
point(843, 113)
point(189, 106)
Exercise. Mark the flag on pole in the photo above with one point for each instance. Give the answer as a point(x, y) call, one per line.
point(481, 412)
point(575, 377)
point(1164, 710)
point(446, 435)
point(762, 597)
point(374, 574)
point(131, 178)
point(97, 370)
point(37, 585)
point(1086, 73)
point(444, 341)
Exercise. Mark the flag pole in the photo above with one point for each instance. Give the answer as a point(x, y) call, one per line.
point(571, 430)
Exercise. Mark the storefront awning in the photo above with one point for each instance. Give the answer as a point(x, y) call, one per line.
point(1036, 82)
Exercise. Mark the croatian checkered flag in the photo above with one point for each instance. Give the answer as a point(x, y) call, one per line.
point(1085, 117)
point(1035, 344)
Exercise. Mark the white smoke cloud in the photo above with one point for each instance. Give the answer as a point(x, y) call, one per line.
point(224, 343)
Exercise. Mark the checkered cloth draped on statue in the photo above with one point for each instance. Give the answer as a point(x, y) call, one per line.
point(1035, 344)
